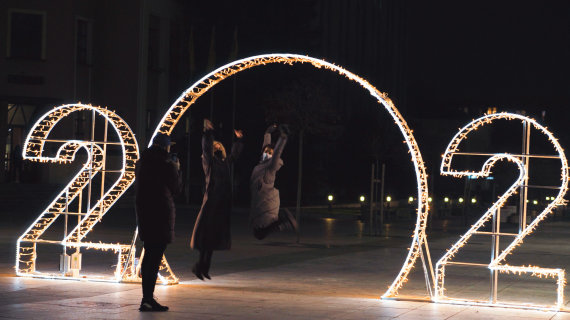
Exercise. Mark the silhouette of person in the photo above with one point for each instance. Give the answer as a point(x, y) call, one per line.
point(212, 228)
point(157, 181)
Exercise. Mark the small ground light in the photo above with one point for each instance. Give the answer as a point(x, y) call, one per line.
point(388, 198)
point(330, 197)
point(410, 199)
point(362, 198)
point(446, 199)
point(473, 200)
point(460, 200)
point(429, 199)
point(534, 201)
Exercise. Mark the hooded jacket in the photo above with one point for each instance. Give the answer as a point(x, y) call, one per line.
point(265, 200)
point(157, 181)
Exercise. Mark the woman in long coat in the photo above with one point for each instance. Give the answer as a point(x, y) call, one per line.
point(212, 228)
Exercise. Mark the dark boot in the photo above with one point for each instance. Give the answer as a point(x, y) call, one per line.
point(197, 271)
point(151, 305)
point(287, 220)
point(206, 264)
point(261, 233)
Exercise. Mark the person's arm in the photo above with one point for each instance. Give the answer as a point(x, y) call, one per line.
point(278, 150)
point(174, 178)
point(267, 135)
point(237, 146)
point(208, 141)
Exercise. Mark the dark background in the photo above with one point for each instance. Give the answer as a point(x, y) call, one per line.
point(442, 63)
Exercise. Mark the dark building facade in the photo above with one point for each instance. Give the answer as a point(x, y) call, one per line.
point(125, 55)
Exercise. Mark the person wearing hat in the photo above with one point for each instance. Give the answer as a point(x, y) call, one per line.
point(212, 228)
point(265, 216)
point(157, 182)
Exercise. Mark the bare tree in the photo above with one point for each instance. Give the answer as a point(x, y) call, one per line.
point(307, 107)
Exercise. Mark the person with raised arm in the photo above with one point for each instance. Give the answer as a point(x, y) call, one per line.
point(212, 227)
point(266, 216)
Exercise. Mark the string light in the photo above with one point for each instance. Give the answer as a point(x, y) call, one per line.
point(419, 238)
point(34, 149)
point(498, 263)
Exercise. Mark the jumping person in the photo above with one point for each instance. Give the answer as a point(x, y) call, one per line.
point(265, 216)
point(212, 228)
point(157, 181)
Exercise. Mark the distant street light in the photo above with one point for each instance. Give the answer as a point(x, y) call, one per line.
point(388, 198)
point(535, 202)
point(330, 198)
point(473, 200)
point(411, 199)
point(460, 200)
point(430, 199)
point(362, 199)
point(446, 199)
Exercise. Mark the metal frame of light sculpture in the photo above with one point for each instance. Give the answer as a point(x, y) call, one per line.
point(96, 151)
point(419, 246)
point(498, 263)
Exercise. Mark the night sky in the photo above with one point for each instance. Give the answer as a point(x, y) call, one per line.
point(457, 59)
point(443, 63)
point(509, 54)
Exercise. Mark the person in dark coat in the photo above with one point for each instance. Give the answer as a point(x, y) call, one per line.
point(157, 181)
point(265, 215)
point(212, 228)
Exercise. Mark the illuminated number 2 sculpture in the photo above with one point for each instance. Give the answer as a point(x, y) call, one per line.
point(498, 264)
point(419, 246)
point(36, 148)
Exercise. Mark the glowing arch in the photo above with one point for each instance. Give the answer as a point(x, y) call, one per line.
point(419, 245)
point(498, 262)
point(34, 150)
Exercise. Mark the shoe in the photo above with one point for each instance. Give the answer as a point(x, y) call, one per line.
point(206, 275)
point(196, 271)
point(151, 305)
point(259, 233)
point(289, 221)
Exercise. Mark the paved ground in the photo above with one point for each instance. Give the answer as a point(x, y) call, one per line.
point(335, 272)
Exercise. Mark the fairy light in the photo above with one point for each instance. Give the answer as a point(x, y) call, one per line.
point(189, 97)
point(34, 149)
point(498, 263)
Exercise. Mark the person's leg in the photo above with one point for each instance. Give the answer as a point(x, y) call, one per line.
point(261, 232)
point(206, 263)
point(149, 272)
point(287, 220)
point(198, 266)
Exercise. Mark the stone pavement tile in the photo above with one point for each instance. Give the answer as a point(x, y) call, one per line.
point(561, 316)
point(366, 313)
point(46, 311)
point(493, 313)
point(401, 304)
point(433, 311)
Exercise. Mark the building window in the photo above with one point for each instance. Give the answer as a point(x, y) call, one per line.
point(84, 36)
point(27, 34)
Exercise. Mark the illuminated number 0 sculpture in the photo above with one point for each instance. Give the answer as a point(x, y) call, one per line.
point(498, 257)
point(419, 246)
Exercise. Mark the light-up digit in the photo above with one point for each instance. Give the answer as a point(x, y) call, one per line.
point(419, 247)
point(95, 166)
point(498, 263)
